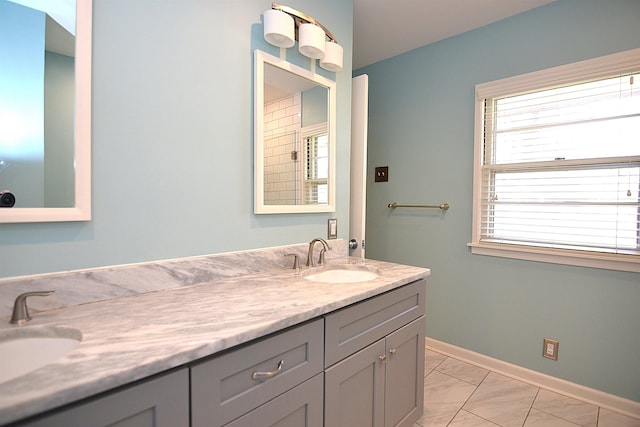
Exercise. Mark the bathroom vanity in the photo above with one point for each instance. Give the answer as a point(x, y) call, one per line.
point(263, 349)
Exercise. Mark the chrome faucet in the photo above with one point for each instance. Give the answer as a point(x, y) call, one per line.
point(310, 261)
point(20, 314)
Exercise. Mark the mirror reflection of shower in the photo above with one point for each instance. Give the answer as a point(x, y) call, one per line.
point(296, 167)
point(296, 141)
point(294, 144)
point(281, 169)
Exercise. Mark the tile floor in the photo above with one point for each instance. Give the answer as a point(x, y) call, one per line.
point(457, 394)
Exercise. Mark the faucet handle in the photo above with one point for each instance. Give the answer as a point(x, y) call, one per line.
point(321, 256)
point(296, 261)
point(20, 314)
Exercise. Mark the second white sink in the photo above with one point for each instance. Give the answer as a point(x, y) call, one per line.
point(344, 274)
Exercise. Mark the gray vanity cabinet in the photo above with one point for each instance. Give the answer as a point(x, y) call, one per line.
point(361, 365)
point(162, 401)
point(373, 371)
point(262, 381)
point(374, 357)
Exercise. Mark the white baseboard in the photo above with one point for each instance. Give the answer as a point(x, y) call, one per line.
point(596, 397)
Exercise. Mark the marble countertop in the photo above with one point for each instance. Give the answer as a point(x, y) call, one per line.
point(130, 338)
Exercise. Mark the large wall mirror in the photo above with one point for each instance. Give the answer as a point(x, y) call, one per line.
point(294, 122)
point(45, 110)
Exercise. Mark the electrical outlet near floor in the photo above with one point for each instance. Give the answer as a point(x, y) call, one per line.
point(550, 349)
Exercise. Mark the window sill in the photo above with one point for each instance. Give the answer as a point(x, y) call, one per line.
point(559, 256)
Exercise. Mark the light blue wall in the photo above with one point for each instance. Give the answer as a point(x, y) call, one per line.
point(314, 106)
point(421, 126)
point(173, 138)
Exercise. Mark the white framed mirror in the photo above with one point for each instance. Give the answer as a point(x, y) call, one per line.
point(295, 136)
point(45, 122)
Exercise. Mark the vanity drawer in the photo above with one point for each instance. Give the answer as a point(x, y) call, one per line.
point(301, 407)
point(224, 388)
point(355, 327)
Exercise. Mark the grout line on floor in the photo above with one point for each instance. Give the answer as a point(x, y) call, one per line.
point(531, 406)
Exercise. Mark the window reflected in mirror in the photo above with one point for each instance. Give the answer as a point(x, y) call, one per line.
point(316, 151)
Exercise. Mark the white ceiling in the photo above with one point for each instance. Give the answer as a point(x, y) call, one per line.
point(386, 28)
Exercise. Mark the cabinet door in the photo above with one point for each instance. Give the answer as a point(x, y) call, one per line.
point(299, 407)
point(404, 385)
point(159, 402)
point(354, 389)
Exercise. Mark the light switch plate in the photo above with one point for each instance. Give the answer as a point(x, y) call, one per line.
point(382, 174)
point(332, 228)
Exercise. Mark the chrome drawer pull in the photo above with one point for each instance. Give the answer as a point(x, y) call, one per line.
point(261, 376)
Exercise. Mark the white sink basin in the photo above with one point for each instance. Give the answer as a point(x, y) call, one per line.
point(23, 350)
point(344, 274)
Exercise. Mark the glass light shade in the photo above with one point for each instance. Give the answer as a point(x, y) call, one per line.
point(332, 60)
point(312, 41)
point(279, 28)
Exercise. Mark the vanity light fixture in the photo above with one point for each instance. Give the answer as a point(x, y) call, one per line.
point(311, 40)
point(283, 25)
point(279, 28)
point(332, 60)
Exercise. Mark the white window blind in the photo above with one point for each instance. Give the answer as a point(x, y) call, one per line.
point(316, 169)
point(560, 167)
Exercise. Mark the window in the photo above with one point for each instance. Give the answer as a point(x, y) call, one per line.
point(316, 165)
point(557, 165)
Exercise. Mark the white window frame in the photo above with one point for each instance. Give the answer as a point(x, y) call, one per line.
point(618, 63)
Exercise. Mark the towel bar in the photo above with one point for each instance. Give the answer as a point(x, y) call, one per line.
point(443, 206)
